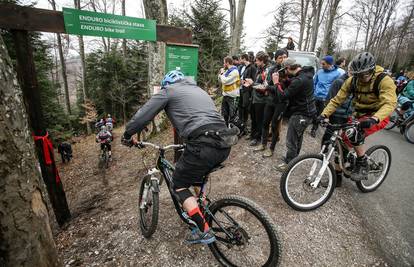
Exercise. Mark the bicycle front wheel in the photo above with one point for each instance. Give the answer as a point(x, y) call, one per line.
point(245, 234)
point(296, 183)
point(148, 206)
point(409, 132)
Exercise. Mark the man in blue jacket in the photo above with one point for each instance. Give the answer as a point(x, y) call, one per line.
point(322, 81)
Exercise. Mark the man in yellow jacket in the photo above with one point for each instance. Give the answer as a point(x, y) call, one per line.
point(230, 83)
point(374, 99)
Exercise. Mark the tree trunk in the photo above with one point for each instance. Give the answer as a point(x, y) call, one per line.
point(63, 65)
point(315, 23)
point(123, 40)
point(25, 235)
point(83, 64)
point(238, 27)
point(304, 4)
point(333, 8)
point(156, 9)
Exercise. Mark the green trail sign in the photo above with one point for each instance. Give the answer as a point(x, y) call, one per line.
point(82, 22)
point(183, 58)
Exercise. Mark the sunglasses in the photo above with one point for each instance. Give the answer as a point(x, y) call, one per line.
point(364, 74)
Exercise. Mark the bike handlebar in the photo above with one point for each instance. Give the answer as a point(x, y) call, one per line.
point(173, 146)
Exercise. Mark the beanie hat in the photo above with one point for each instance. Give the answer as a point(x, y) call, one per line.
point(289, 62)
point(280, 52)
point(328, 59)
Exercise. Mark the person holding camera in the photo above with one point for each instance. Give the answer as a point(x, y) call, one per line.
point(273, 111)
point(259, 97)
point(301, 106)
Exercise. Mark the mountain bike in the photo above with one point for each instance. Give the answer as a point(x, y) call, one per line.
point(103, 159)
point(309, 180)
point(245, 234)
point(404, 123)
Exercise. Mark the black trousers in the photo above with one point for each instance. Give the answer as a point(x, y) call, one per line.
point(257, 120)
point(320, 105)
point(244, 105)
point(296, 127)
point(272, 116)
point(228, 108)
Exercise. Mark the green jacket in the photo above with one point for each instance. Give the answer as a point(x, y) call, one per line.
point(409, 90)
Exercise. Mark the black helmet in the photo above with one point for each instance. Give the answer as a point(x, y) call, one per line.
point(362, 62)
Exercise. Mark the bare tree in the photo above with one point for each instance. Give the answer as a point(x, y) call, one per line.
point(63, 65)
point(83, 64)
point(156, 9)
point(25, 235)
point(333, 9)
point(304, 5)
point(316, 15)
point(236, 24)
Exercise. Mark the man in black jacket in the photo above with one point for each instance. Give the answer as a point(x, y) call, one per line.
point(248, 71)
point(301, 105)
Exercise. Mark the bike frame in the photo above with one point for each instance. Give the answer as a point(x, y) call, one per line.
point(166, 169)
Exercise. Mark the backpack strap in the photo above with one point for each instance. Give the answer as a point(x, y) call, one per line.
point(377, 82)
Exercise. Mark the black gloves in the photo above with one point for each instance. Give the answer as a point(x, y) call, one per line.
point(368, 122)
point(321, 119)
point(127, 140)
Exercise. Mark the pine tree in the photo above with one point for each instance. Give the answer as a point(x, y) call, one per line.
point(210, 33)
point(279, 28)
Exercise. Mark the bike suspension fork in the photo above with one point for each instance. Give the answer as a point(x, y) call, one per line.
point(325, 163)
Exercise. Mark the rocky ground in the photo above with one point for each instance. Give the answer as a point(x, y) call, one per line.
point(104, 230)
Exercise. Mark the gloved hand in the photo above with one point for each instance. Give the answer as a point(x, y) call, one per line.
point(322, 119)
point(368, 122)
point(127, 140)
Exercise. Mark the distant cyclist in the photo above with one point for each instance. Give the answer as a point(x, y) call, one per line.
point(104, 137)
point(109, 122)
point(193, 114)
point(373, 100)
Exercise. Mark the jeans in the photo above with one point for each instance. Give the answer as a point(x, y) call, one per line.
point(272, 114)
point(257, 120)
point(228, 108)
point(320, 105)
point(296, 127)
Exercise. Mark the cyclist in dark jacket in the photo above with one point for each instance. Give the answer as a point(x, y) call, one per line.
point(301, 106)
point(193, 114)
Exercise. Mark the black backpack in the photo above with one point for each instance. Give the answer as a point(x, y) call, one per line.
point(375, 87)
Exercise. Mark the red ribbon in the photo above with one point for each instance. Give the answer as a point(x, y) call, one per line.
point(47, 152)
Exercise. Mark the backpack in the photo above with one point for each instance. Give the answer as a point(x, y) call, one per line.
point(375, 87)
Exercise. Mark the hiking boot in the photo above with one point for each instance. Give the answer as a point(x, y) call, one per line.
point(281, 167)
point(261, 147)
point(254, 142)
point(268, 153)
point(313, 133)
point(361, 169)
point(198, 237)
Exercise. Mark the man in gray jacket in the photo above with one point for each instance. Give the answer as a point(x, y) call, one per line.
point(193, 114)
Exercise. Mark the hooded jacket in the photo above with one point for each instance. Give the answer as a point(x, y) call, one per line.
point(300, 94)
point(409, 90)
point(187, 106)
point(323, 81)
point(365, 101)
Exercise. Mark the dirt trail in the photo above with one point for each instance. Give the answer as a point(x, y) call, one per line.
point(105, 232)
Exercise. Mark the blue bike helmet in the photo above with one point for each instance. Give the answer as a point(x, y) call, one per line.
point(172, 77)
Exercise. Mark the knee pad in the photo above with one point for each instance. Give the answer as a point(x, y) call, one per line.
point(183, 195)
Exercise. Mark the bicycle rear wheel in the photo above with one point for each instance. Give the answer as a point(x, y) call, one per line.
point(393, 121)
point(296, 183)
point(379, 164)
point(251, 238)
point(409, 132)
point(148, 206)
